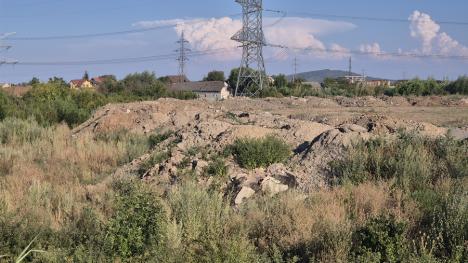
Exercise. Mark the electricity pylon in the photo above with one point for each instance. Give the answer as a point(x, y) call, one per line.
point(251, 78)
point(182, 54)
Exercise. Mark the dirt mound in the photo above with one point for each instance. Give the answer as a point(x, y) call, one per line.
point(438, 101)
point(378, 124)
point(360, 102)
point(201, 131)
point(395, 101)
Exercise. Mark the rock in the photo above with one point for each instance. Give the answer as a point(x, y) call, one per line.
point(351, 128)
point(245, 193)
point(272, 186)
point(199, 165)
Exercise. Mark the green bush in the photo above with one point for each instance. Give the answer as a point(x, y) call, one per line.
point(460, 86)
point(217, 168)
point(254, 153)
point(158, 138)
point(380, 240)
point(82, 237)
point(137, 225)
point(205, 228)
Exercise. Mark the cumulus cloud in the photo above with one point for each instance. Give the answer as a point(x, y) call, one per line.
point(424, 28)
point(339, 51)
point(216, 33)
point(370, 48)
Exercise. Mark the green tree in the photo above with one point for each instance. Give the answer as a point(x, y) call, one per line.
point(246, 85)
point(34, 81)
point(58, 81)
point(280, 81)
point(215, 76)
point(144, 85)
point(460, 86)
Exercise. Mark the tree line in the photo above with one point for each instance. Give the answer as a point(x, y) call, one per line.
point(54, 102)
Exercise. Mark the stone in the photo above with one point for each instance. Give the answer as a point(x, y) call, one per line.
point(245, 193)
point(352, 128)
point(272, 186)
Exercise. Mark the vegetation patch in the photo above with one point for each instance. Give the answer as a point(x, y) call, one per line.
point(255, 153)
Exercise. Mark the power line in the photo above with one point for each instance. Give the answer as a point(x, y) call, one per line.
point(5, 47)
point(377, 19)
point(114, 33)
point(377, 54)
point(122, 60)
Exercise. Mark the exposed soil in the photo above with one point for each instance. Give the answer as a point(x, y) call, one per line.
point(316, 129)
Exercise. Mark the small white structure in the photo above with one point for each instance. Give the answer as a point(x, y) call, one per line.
point(210, 90)
point(355, 79)
point(5, 85)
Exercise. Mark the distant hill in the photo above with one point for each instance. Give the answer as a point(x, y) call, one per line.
point(320, 75)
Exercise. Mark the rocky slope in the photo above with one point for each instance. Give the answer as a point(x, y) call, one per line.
point(198, 131)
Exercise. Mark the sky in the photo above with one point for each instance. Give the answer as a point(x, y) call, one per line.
point(209, 24)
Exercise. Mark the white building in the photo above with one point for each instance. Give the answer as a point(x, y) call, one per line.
point(210, 90)
point(5, 85)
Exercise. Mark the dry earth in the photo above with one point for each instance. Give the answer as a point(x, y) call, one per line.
point(317, 129)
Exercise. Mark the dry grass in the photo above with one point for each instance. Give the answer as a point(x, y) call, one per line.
point(50, 174)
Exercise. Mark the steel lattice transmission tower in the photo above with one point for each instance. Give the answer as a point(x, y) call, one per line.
point(182, 51)
point(251, 77)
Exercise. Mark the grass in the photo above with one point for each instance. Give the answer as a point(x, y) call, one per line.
point(393, 201)
point(255, 153)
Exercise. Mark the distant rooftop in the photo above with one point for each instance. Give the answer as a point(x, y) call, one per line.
point(199, 86)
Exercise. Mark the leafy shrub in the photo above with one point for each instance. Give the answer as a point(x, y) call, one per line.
point(138, 221)
point(217, 168)
point(206, 228)
point(254, 153)
point(82, 237)
point(380, 240)
point(460, 86)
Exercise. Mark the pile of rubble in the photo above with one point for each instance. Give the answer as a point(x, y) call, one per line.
point(200, 131)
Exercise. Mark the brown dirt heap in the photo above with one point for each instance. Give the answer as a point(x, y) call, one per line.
point(200, 129)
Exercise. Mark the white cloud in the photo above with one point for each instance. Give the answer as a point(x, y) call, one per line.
point(339, 51)
point(371, 48)
point(428, 31)
point(216, 33)
point(424, 28)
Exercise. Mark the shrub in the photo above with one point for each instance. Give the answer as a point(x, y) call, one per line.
point(19, 131)
point(380, 240)
point(138, 221)
point(155, 158)
point(206, 228)
point(254, 153)
point(217, 168)
point(156, 139)
point(82, 237)
point(460, 86)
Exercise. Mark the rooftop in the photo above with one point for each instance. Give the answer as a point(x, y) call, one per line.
point(199, 86)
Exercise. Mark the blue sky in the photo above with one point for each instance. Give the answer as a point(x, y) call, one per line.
point(30, 18)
